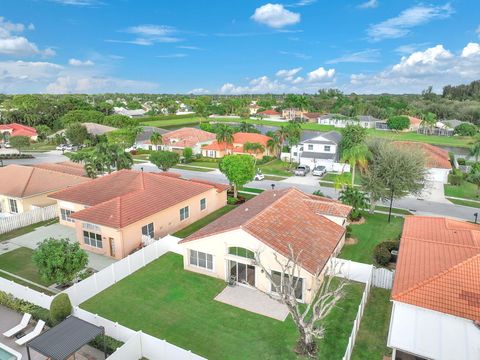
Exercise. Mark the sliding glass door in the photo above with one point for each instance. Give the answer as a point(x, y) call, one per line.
point(242, 273)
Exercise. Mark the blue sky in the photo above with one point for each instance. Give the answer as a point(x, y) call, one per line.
point(231, 47)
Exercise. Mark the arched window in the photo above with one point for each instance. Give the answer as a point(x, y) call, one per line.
point(242, 252)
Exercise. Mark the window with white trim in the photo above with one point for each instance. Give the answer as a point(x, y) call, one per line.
point(65, 215)
point(310, 147)
point(148, 230)
point(326, 148)
point(203, 204)
point(201, 259)
point(279, 279)
point(13, 206)
point(92, 239)
point(184, 213)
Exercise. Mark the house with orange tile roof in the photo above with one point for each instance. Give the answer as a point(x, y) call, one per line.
point(270, 224)
point(437, 161)
point(270, 114)
point(14, 129)
point(113, 215)
point(67, 167)
point(193, 138)
point(218, 150)
point(24, 188)
point(436, 291)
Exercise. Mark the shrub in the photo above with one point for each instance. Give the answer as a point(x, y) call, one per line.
point(461, 161)
point(382, 252)
point(455, 180)
point(231, 200)
point(348, 232)
point(465, 129)
point(22, 306)
point(398, 122)
point(111, 344)
point(451, 157)
point(60, 308)
point(355, 215)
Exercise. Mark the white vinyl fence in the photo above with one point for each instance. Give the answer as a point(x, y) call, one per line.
point(91, 286)
point(25, 293)
point(27, 218)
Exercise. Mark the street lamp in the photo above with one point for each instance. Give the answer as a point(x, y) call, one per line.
point(273, 186)
point(476, 216)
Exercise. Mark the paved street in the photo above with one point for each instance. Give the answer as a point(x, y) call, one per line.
point(39, 157)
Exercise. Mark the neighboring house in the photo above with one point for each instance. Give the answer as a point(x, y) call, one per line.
point(436, 291)
point(9, 130)
point(219, 150)
point(414, 123)
point(292, 114)
point(177, 140)
point(143, 138)
point(270, 114)
point(270, 223)
point(321, 150)
point(24, 188)
point(311, 117)
point(437, 161)
point(341, 121)
point(450, 124)
point(253, 108)
point(130, 113)
point(113, 213)
point(66, 167)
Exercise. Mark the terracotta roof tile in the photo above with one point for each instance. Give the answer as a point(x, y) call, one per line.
point(281, 218)
point(435, 156)
point(66, 167)
point(18, 129)
point(127, 196)
point(439, 266)
point(269, 112)
point(23, 181)
point(239, 139)
point(187, 137)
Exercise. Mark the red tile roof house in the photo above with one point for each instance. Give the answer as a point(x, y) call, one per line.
point(177, 140)
point(436, 291)
point(269, 223)
point(437, 160)
point(270, 114)
point(113, 212)
point(219, 150)
point(18, 130)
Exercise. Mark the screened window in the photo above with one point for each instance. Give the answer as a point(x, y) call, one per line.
point(148, 230)
point(201, 259)
point(65, 215)
point(326, 148)
point(92, 239)
point(184, 213)
point(203, 204)
point(13, 205)
point(242, 252)
point(310, 147)
point(277, 280)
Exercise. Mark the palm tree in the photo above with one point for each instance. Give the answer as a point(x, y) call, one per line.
point(282, 135)
point(428, 121)
point(274, 145)
point(224, 135)
point(356, 155)
point(156, 139)
point(475, 150)
point(246, 127)
point(255, 148)
point(356, 199)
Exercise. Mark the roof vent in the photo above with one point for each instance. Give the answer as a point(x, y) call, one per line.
point(246, 209)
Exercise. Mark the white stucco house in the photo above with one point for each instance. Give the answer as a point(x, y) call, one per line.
point(130, 113)
point(270, 223)
point(436, 291)
point(321, 150)
point(341, 121)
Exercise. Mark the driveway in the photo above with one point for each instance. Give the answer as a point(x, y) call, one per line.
point(30, 240)
point(52, 156)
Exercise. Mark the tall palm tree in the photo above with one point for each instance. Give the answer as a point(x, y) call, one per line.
point(225, 135)
point(156, 139)
point(475, 150)
point(356, 156)
point(282, 135)
point(274, 145)
point(246, 127)
point(255, 148)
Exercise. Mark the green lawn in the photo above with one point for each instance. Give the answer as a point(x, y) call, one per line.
point(466, 190)
point(191, 168)
point(19, 262)
point(24, 283)
point(460, 141)
point(172, 122)
point(208, 164)
point(332, 176)
point(40, 147)
point(276, 167)
point(375, 230)
point(371, 342)
point(202, 222)
point(141, 156)
point(464, 202)
point(394, 210)
point(252, 190)
point(26, 229)
point(179, 306)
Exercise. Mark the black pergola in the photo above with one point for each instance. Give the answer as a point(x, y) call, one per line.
point(65, 339)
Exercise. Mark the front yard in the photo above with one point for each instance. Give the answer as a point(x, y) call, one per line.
point(375, 230)
point(179, 306)
point(20, 263)
point(465, 190)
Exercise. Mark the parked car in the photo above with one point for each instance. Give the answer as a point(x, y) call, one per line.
point(7, 145)
point(61, 147)
point(319, 170)
point(302, 170)
point(259, 176)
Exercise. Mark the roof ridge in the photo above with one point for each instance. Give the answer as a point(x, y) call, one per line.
point(28, 181)
point(435, 277)
point(442, 243)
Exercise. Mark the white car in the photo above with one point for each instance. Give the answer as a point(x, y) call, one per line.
point(319, 171)
point(259, 176)
point(61, 147)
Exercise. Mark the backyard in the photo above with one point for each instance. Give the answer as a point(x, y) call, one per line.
point(179, 306)
point(367, 236)
point(197, 225)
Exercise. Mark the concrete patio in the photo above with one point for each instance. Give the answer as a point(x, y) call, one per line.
point(253, 300)
point(10, 318)
point(30, 240)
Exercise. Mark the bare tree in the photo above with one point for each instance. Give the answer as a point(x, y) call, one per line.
point(324, 296)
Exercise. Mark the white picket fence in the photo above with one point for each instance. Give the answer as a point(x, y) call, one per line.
point(27, 218)
point(25, 293)
point(91, 286)
point(382, 278)
point(136, 343)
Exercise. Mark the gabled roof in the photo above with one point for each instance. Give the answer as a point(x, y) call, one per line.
point(435, 157)
point(312, 115)
point(187, 137)
point(24, 181)
point(239, 139)
point(270, 112)
point(18, 129)
point(438, 267)
point(331, 137)
point(127, 196)
point(414, 121)
point(66, 167)
point(280, 218)
point(146, 133)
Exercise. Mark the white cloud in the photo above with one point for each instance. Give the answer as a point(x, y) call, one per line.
point(288, 74)
point(12, 44)
point(148, 34)
point(472, 49)
point(275, 16)
point(296, 54)
point(76, 62)
point(302, 3)
point(401, 25)
point(188, 47)
point(435, 66)
point(78, 2)
point(365, 56)
point(260, 85)
point(478, 31)
point(151, 30)
point(321, 75)
point(174, 56)
point(99, 84)
point(370, 4)
point(199, 91)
